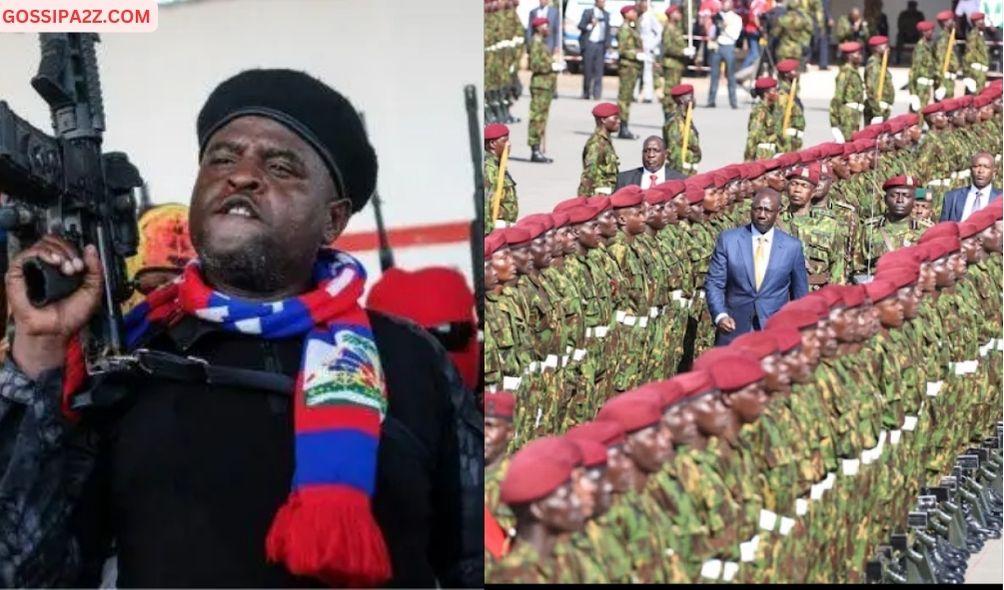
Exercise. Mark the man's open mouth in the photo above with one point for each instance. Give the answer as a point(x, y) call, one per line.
point(239, 206)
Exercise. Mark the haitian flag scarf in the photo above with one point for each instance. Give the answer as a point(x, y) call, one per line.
point(325, 529)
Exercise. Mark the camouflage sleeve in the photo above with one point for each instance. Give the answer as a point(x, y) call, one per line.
point(43, 469)
point(592, 174)
point(540, 57)
point(672, 42)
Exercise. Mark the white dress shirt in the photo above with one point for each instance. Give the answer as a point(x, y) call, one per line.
point(731, 29)
point(600, 30)
point(646, 177)
point(650, 30)
point(769, 236)
point(971, 200)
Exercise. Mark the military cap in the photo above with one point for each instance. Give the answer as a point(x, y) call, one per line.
point(981, 100)
point(734, 371)
point(830, 149)
point(787, 65)
point(605, 432)
point(500, 404)
point(629, 196)
point(910, 119)
point(672, 8)
point(605, 109)
point(535, 219)
point(593, 453)
point(532, 476)
point(770, 164)
point(694, 195)
point(757, 343)
point(901, 275)
point(853, 295)
point(994, 90)
point(976, 16)
point(787, 159)
point(940, 230)
point(632, 413)
point(715, 356)
point(559, 219)
point(720, 178)
point(556, 447)
point(950, 104)
point(514, 236)
point(672, 187)
point(942, 247)
point(895, 125)
point(754, 170)
point(876, 40)
point(925, 25)
point(893, 257)
point(863, 145)
point(493, 241)
point(694, 382)
point(984, 218)
point(796, 318)
point(645, 393)
point(879, 289)
point(945, 15)
point(805, 173)
point(536, 229)
point(807, 156)
point(681, 90)
point(901, 180)
point(703, 180)
point(656, 196)
point(581, 214)
point(849, 46)
point(811, 304)
point(540, 20)
point(765, 83)
point(670, 391)
point(934, 107)
point(569, 203)
point(599, 202)
point(627, 9)
point(495, 131)
point(787, 338)
point(969, 228)
point(831, 294)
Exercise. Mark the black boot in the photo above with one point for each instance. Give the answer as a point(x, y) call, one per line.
point(625, 133)
point(537, 156)
point(497, 107)
point(509, 117)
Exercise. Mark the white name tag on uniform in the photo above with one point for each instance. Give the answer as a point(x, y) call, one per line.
point(801, 507)
point(933, 388)
point(850, 466)
point(894, 436)
point(909, 423)
point(729, 570)
point(579, 354)
point(510, 383)
point(768, 519)
point(786, 525)
point(712, 569)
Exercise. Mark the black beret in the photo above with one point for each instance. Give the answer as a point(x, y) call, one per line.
point(310, 108)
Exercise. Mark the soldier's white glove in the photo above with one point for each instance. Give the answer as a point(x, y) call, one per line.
point(979, 67)
point(914, 102)
point(837, 135)
point(512, 69)
point(884, 105)
point(558, 66)
point(857, 106)
point(689, 51)
point(603, 190)
point(875, 120)
point(951, 75)
point(791, 132)
point(970, 84)
point(939, 93)
point(642, 56)
point(924, 81)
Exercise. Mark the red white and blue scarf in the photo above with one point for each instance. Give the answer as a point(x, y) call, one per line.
point(326, 528)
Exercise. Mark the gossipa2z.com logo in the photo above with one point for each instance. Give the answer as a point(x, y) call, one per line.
point(78, 16)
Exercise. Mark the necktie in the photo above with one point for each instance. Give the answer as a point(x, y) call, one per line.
point(652, 179)
point(760, 260)
point(978, 203)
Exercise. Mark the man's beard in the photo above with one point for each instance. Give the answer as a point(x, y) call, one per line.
point(256, 267)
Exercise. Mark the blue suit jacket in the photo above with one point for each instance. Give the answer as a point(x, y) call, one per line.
point(730, 283)
point(955, 202)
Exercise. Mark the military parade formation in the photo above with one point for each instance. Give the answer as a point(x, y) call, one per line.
point(855, 437)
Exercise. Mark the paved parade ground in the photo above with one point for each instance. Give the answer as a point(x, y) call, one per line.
point(722, 131)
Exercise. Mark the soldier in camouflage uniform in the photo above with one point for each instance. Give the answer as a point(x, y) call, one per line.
point(795, 33)
point(937, 153)
point(848, 97)
point(924, 69)
point(824, 236)
point(976, 61)
point(599, 159)
point(765, 121)
point(498, 434)
point(496, 138)
point(892, 230)
point(493, 65)
point(877, 108)
point(790, 139)
point(542, 85)
point(629, 64)
point(505, 313)
point(945, 87)
point(673, 130)
point(674, 55)
point(513, 37)
point(851, 27)
point(922, 206)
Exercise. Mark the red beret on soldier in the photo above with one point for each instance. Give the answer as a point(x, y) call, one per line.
point(495, 131)
point(605, 109)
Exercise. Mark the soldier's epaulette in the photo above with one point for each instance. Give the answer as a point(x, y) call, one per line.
point(925, 223)
point(844, 205)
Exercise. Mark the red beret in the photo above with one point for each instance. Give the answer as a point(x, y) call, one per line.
point(981, 100)
point(950, 104)
point(536, 219)
point(808, 155)
point(770, 164)
point(694, 195)
point(681, 89)
point(718, 355)
point(536, 229)
point(703, 180)
point(811, 304)
point(532, 476)
point(558, 448)
point(879, 289)
point(940, 230)
point(632, 412)
point(830, 149)
point(895, 125)
point(515, 236)
point(910, 255)
point(831, 294)
point(655, 196)
point(964, 101)
point(628, 8)
point(945, 15)
point(864, 144)
point(898, 181)
point(994, 90)
point(672, 8)
point(795, 318)
point(787, 159)
point(983, 218)
point(605, 432)
point(910, 118)
point(693, 382)
point(805, 173)
point(560, 219)
point(758, 343)
point(787, 65)
point(849, 46)
point(934, 107)
point(428, 296)
point(854, 295)
point(969, 228)
point(581, 214)
point(500, 404)
point(730, 172)
point(569, 203)
point(493, 242)
point(765, 83)
point(925, 25)
point(942, 247)
point(495, 131)
point(599, 202)
point(787, 338)
point(605, 109)
point(672, 187)
point(735, 371)
point(629, 196)
point(975, 16)
point(670, 391)
point(754, 170)
point(900, 275)
point(540, 20)
point(876, 40)
point(593, 453)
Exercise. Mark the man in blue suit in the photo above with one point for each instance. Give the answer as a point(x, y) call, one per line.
point(960, 203)
point(754, 270)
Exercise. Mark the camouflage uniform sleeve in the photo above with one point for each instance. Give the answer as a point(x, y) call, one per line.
point(672, 42)
point(837, 102)
point(540, 57)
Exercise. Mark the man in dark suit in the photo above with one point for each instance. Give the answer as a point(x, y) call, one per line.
point(594, 39)
point(755, 269)
point(962, 202)
point(545, 10)
point(654, 169)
